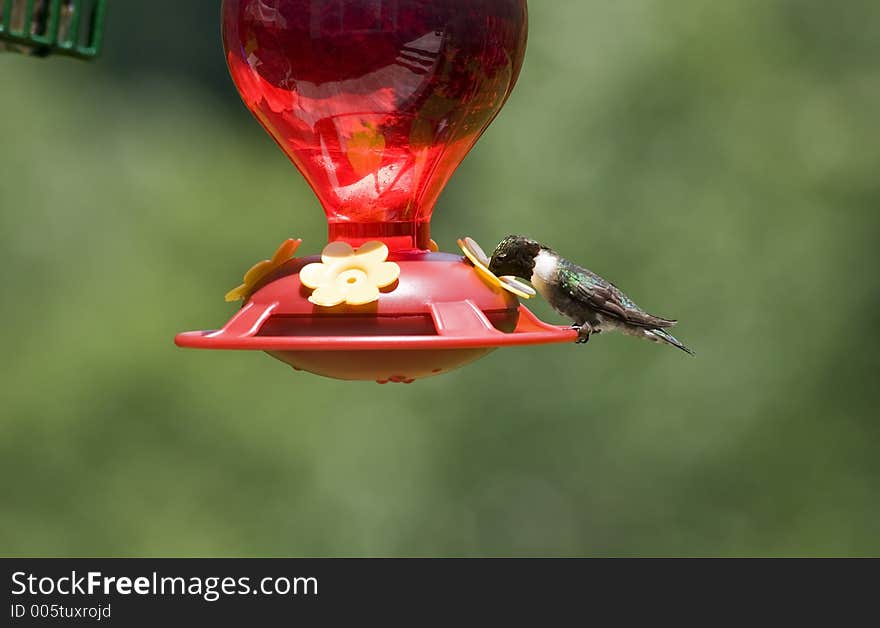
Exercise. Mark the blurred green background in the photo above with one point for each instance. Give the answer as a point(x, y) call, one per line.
point(719, 161)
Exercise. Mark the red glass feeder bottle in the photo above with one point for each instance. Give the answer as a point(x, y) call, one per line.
point(377, 102)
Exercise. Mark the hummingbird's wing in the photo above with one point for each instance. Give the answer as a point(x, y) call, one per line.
point(604, 297)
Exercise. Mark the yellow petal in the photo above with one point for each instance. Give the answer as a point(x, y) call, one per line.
point(257, 272)
point(313, 275)
point(517, 287)
point(372, 253)
point(327, 296)
point(488, 276)
point(433, 246)
point(471, 257)
point(481, 263)
point(237, 294)
point(473, 251)
point(285, 251)
point(362, 293)
point(464, 249)
point(336, 251)
point(383, 274)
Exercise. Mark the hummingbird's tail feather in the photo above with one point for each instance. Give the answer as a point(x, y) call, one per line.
point(663, 323)
point(668, 338)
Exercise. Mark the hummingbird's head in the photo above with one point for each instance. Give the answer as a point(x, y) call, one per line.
point(515, 255)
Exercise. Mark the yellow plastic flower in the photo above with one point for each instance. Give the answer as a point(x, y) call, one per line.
point(481, 261)
point(261, 270)
point(347, 276)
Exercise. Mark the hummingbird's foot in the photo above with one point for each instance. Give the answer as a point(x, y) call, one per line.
point(584, 330)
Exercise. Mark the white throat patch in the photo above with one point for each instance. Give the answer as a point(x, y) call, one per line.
point(544, 273)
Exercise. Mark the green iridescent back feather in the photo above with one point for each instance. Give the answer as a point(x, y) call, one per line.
point(602, 295)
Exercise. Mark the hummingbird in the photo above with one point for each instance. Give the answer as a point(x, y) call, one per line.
point(593, 304)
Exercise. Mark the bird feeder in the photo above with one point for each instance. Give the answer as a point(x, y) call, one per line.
point(376, 102)
point(42, 27)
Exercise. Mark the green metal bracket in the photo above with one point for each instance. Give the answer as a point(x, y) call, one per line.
point(42, 27)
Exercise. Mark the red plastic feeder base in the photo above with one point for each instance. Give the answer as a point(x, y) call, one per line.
point(439, 316)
